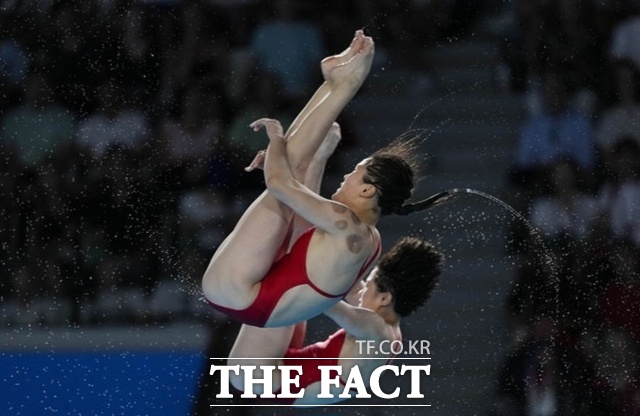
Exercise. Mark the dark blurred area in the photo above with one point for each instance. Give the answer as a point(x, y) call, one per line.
point(574, 314)
point(124, 131)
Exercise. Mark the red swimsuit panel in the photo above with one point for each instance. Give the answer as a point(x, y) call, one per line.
point(288, 272)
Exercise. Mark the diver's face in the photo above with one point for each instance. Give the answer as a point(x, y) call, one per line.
point(352, 181)
point(369, 292)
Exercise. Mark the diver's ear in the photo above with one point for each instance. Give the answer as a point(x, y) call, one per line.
point(368, 190)
point(385, 298)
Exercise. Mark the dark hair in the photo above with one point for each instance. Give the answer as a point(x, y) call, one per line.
point(409, 271)
point(393, 170)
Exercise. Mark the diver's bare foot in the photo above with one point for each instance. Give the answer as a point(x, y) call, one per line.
point(329, 63)
point(353, 72)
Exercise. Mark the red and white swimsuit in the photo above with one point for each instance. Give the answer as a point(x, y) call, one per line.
point(288, 272)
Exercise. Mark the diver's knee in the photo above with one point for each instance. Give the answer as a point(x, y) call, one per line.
point(212, 286)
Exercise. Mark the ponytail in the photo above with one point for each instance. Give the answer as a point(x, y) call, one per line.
point(434, 200)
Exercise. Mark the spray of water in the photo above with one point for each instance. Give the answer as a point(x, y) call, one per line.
point(548, 263)
point(546, 253)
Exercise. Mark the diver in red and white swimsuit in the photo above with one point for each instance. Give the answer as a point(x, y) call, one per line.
point(243, 279)
point(402, 281)
point(286, 273)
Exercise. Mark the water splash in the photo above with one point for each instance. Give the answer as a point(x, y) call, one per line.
point(549, 264)
point(549, 260)
point(548, 257)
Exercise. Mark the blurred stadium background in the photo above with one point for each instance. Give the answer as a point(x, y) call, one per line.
point(122, 141)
